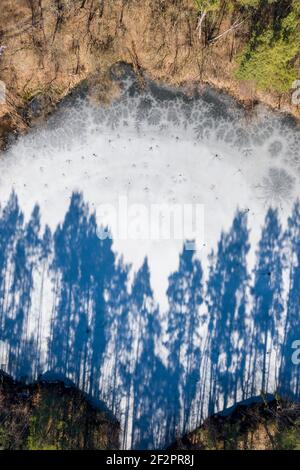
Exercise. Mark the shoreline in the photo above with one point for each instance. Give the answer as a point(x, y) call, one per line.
point(44, 62)
point(189, 89)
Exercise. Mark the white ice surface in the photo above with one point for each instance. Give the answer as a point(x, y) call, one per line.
point(108, 153)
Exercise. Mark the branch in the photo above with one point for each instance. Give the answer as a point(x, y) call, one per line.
point(199, 25)
point(235, 25)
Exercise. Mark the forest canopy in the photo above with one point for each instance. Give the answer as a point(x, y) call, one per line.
point(270, 56)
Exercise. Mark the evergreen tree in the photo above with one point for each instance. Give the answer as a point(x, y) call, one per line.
point(270, 58)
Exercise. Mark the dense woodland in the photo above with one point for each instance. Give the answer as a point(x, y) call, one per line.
point(271, 55)
point(48, 47)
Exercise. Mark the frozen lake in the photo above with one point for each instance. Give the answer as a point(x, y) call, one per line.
point(162, 352)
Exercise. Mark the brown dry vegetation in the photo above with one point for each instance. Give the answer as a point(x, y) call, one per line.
point(52, 416)
point(51, 46)
point(258, 426)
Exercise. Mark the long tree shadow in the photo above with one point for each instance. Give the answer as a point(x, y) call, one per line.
point(161, 373)
point(226, 306)
point(185, 295)
point(289, 380)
